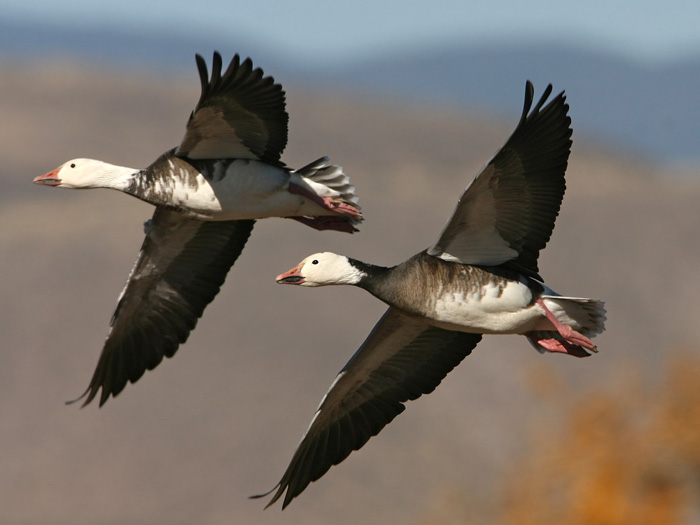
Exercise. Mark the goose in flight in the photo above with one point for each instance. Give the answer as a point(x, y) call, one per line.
point(207, 193)
point(480, 277)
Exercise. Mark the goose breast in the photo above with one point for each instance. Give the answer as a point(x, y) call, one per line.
point(224, 189)
point(472, 299)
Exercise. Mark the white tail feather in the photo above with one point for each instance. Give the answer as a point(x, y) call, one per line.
point(584, 315)
point(329, 177)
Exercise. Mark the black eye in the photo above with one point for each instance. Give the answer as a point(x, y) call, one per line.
point(72, 165)
point(315, 261)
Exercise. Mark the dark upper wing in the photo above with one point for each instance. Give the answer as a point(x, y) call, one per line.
point(240, 114)
point(507, 213)
point(401, 359)
point(182, 264)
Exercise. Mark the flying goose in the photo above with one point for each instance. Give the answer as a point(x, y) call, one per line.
point(208, 192)
point(480, 277)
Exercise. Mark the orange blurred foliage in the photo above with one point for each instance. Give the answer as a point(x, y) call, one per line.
point(628, 455)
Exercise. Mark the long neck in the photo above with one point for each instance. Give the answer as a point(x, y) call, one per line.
point(112, 177)
point(375, 279)
point(158, 182)
point(404, 285)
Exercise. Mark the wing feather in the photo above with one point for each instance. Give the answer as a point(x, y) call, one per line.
point(507, 214)
point(240, 114)
point(181, 266)
point(401, 359)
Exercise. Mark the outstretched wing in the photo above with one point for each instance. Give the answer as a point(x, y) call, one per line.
point(240, 114)
point(507, 213)
point(182, 264)
point(402, 358)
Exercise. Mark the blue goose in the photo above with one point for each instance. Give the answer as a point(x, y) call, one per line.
point(207, 193)
point(480, 277)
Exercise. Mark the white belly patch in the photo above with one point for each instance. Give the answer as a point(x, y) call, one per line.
point(496, 307)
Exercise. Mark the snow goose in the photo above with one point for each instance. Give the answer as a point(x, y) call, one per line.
point(481, 277)
point(208, 192)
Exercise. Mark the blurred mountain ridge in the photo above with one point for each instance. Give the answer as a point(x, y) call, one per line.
point(645, 108)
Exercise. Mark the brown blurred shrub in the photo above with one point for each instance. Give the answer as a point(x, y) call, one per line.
point(627, 455)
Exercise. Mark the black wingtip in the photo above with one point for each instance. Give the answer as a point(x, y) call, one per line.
point(216, 64)
point(204, 79)
point(86, 402)
point(73, 401)
point(203, 71)
point(90, 394)
point(232, 67)
point(218, 75)
point(274, 498)
point(529, 97)
point(543, 98)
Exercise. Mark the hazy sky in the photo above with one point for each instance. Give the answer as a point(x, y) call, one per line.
point(316, 30)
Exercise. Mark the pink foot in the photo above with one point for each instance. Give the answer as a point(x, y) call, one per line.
point(571, 336)
point(327, 203)
point(343, 207)
point(327, 222)
point(564, 347)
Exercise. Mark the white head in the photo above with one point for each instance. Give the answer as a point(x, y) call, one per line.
point(86, 173)
point(321, 269)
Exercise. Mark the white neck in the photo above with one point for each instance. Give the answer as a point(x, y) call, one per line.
point(111, 177)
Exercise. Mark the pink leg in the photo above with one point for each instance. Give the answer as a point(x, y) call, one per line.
point(327, 203)
point(327, 222)
point(573, 343)
point(568, 333)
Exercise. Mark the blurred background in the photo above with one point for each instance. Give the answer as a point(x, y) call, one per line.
point(412, 98)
